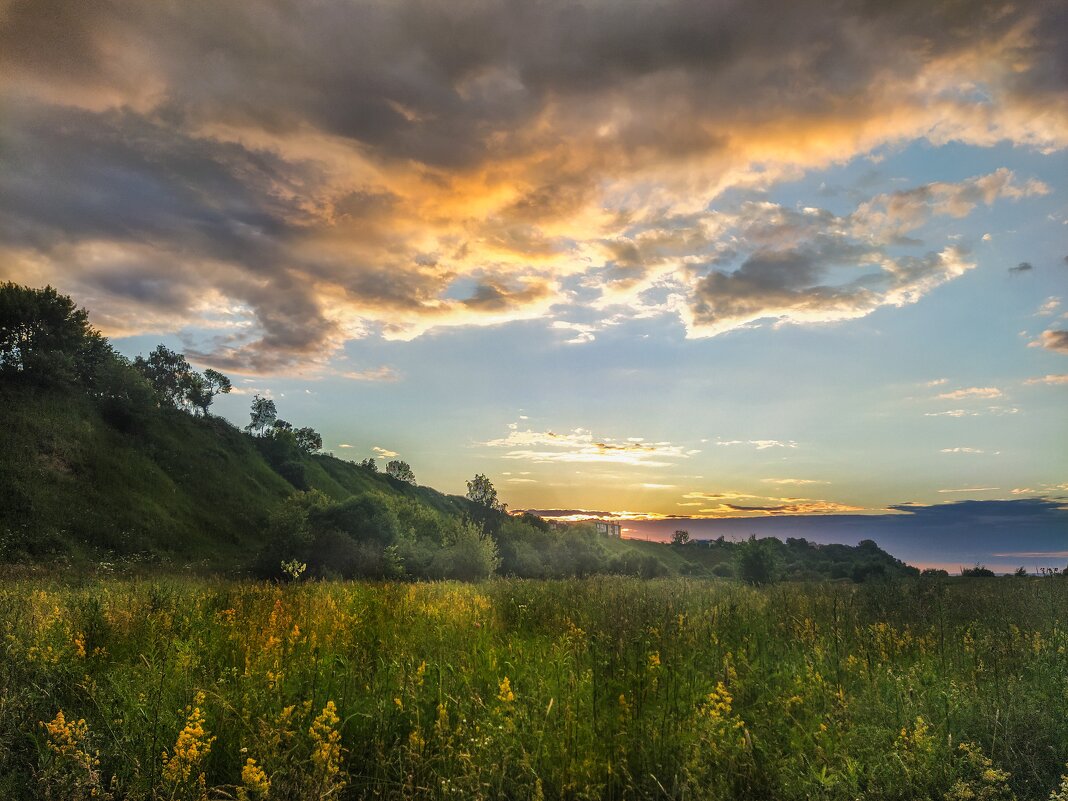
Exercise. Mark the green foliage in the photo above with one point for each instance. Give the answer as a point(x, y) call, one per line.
point(308, 439)
point(469, 554)
point(401, 471)
point(263, 415)
point(481, 492)
point(45, 339)
point(602, 688)
point(756, 561)
point(978, 571)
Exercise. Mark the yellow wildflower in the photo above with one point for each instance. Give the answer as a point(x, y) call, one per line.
point(254, 781)
point(190, 749)
point(326, 742)
point(504, 692)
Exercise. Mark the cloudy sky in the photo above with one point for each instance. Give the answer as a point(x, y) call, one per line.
point(673, 258)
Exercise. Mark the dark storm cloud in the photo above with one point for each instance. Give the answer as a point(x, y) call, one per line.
point(432, 81)
point(181, 206)
point(335, 164)
point(1022, 267)
point(72, 175)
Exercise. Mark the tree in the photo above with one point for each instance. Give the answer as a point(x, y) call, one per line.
point(979, 571)
point(756, 562)
point(308, 439)
point(1021, 572)
point(480, 490)
point(401, 471)
point(44, 337)
point(369, 464)
point(171, 376)
point(206, 387)
point(934, 572)
point(680, 537)
point(263, 414)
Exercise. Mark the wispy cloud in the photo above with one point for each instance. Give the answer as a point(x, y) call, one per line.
point(1033, 554)
point(580, 446)
point(383, 373)
point(971, 392)
point(793, 481)
point(724, 504)
point(581, 332)
point(1050, 306)
point(962, 450)
point(971, 489)
point(1048, 380)
point(759, 444)
point(384, 453)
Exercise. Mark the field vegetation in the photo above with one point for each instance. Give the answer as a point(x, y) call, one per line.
point(605, 687)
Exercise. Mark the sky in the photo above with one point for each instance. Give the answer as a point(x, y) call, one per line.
point(659, 261)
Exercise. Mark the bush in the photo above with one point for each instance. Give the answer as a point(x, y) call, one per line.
point(724, 570)
point(470, 554)
point(756, 561)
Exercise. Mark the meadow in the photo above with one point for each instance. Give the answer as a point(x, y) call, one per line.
point(599, 688)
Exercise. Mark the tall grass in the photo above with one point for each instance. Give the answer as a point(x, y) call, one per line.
point(604, 688)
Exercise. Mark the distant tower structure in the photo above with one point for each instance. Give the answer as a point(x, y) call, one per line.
point(608, 528)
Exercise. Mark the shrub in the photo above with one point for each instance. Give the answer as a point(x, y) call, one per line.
point(756, 561)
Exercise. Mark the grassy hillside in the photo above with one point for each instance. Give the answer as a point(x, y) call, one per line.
point(162, 485)
point(103, 459)
point(83, 483)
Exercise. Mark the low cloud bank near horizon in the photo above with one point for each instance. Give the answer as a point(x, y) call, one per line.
point(1003, 534)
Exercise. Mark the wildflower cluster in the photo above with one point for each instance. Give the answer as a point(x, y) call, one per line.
point(254, 782)
point(191, 748)
point(326, 749)
point(72, 769)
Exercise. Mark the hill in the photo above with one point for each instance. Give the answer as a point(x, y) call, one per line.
point(107, 460)
point(160, 485)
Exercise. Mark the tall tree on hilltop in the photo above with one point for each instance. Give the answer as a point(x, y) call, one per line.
point(401, 471)
point(45, 338)
point(308, 439)
point(173, 378)
point(480, 490)
point(206, 387)
point(263, 414)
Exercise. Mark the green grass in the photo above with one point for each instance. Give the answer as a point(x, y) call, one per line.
point(169, 488)
point(603, 688)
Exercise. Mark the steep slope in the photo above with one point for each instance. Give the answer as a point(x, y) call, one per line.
point(161, 485)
